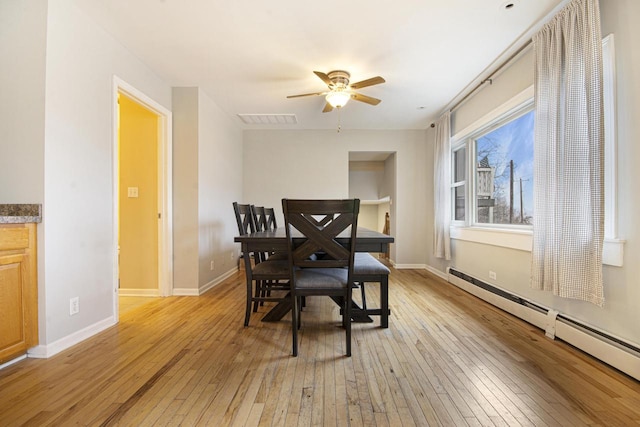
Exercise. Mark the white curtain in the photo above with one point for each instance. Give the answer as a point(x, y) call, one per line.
point(568, 226)
point(442, 187)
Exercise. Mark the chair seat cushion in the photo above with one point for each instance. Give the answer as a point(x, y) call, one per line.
point(272, 268)
point(365, 263)
point(278, 256)
point(322, 277)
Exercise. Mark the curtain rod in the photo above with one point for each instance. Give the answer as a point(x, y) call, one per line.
point(490, 78)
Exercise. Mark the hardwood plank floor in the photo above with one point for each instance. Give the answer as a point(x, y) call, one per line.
point(129, 303)
point(447, 358)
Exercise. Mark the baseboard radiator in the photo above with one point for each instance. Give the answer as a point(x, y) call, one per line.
point(614, 351)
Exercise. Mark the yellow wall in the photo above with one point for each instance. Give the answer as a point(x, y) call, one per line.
point(138, 167)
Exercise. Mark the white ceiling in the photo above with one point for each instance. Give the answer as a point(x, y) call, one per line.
point(248, 55)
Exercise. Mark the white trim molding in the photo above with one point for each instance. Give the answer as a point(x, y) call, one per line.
point(193, 292)
point(138, 292)
point(514, 103)
point(611, 143)
point(410, 266)
point(435, 271)
point(613, 252)
point(165, 185)
point(592, 340)
point(522, 240)
point(48, 350)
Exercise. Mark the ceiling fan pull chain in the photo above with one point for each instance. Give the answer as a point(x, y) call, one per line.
point(339, 128)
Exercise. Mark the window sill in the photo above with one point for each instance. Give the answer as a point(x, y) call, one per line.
point(612, 254)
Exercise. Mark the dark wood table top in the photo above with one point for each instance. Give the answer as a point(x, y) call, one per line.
point(366, 240)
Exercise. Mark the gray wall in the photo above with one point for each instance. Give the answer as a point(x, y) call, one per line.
point(620, 316)
point(366, 180)
point(57, 149)
point(219, 185)
point(207, 171)
point(78, 224)
point(315, 164)
point(185, 184)
point(23, 31)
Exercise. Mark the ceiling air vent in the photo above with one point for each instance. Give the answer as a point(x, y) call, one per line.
point(269, 119)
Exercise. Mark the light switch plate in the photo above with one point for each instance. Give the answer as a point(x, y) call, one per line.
point(132, 191)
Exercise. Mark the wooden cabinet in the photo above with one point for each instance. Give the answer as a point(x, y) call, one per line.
point(18, 290)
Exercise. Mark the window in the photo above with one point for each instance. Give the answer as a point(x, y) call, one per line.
point(504, 173)
point(498, 154)
point(459, 183)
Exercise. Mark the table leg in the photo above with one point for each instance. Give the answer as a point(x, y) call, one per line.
point(279, 310)
point(384, 302)
point(358, 315)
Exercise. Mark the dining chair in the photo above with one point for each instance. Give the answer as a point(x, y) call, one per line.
point(260, 271)
point(265, 220)
point(270, 214)
point(322, 265)
point(264, 287)
point(259, 217)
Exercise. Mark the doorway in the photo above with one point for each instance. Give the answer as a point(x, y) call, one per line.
point(142, 196)
point(138, 199)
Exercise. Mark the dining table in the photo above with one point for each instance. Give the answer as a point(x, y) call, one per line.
point(367, 240)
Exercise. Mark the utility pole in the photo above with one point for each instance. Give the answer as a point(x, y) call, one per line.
point(521, 210)
point(511, 192)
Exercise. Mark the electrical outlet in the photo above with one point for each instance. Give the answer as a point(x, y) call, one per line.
point(212, 265)
point(74, 306)
point(231, 255)
point(492, 275)
point(132, 191)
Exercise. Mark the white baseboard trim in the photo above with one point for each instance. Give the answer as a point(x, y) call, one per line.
point(138, 292)
point(48, 350)
point(609, 353)
point(185, 292)
point(190, 292)
point(594, 343)
point(410, 266)
point(437, 272)
point(524, 313)
point(215, 282)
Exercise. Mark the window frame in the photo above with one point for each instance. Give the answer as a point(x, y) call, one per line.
point(456, 184)
point(509, 111)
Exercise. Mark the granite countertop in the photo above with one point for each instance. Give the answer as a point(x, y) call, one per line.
point(20, 213)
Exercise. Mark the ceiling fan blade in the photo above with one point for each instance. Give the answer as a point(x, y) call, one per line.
point(327, 108)
point(369, 82)
point(364, 98)
point(324, 77)
point(307, 94)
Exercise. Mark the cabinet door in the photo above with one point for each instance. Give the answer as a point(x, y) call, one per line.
point(14, 286)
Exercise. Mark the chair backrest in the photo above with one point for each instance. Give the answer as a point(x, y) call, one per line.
point(259, 217)
point(321, 222)
point(244, 218)
point(271, 218)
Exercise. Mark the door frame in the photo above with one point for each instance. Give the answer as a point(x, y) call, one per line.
point(165, 185)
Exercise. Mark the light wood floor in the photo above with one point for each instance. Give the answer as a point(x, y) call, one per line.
point(128, 303)
point(446, 359)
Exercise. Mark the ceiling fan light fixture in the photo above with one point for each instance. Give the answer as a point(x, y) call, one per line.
point(338, 98)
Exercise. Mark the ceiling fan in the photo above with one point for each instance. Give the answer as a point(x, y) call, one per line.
point(340, 91)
